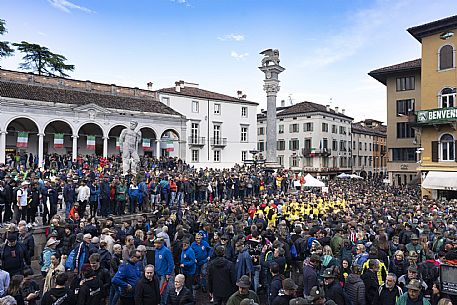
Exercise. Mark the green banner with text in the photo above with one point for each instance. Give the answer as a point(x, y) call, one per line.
point(441, 115)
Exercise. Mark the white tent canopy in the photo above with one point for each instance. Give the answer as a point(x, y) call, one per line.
point(343, 176)
point(313, 182)
point(354, 176)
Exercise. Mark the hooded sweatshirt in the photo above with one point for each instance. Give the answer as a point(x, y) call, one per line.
point(90, 293)
point(63, 295)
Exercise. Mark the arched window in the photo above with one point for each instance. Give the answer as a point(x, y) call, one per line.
point(447, 97)
point(446, 55)
point(447, 147)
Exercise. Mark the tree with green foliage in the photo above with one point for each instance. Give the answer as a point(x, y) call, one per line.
point(41, 60)
point(5, 49)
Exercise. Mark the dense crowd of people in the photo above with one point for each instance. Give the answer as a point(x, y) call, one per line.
point(244, 235)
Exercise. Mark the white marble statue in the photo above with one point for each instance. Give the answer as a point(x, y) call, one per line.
point(129, 141)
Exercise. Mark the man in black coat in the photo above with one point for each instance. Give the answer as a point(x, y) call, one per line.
point(14, 256)
point(180, 295)
point(370, 279)
point(91, 291)
point(147, 291)
point(333, 290)
point(310, 274)
point(221, 277)
point(102, 275)
point(289, 293)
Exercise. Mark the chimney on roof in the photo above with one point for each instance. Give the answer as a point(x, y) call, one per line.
point(239, 93)
point(113, 89)
point(343, 111)
point(283, 103)
point(149, 84)
point(336, 109)
point(327, 107)
point(178, 86)
point(243, 97)
point(181, 84)
point(136, 91)
point(88, 85)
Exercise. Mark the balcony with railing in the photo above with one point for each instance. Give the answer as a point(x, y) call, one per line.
point(196, 141)
point(309, 153)
point(218, 142)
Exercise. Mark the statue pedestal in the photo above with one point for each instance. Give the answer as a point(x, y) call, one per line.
point(273, 165)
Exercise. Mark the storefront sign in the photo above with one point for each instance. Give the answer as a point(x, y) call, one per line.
point(448, 279)
point(441, 115)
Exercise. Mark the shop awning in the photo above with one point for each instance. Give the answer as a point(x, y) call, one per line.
point(440, 181)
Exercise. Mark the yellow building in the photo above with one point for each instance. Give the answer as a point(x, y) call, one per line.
point(422, 112)
point(403, 83)
point(437, 117)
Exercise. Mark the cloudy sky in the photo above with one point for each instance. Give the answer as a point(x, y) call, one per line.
point(326, 46)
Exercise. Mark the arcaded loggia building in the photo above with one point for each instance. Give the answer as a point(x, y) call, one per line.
point(42, 115)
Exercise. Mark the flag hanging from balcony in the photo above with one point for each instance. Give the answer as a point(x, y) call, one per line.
point(146, 144)
point(22, 139)
point(118, 144)
point(313, 152)
point(91, 142)
point(58, 140)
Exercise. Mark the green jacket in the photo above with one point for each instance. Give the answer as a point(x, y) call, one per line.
point(403, 299)
point(236, 298)
point(121, 192)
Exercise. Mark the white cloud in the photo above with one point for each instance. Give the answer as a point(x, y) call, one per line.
point(67, 6)
point(363, 27)
point(232, 37)
point(238, 56)
point(183, 2)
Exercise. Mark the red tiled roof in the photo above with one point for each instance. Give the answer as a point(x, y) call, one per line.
point(51, 94)
point(205, 94)
point(381, 74)
point(306, 107)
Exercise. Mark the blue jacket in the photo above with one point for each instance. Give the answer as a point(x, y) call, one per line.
point(188, 260)
point(164, 263)
point(94, 192)
point(202, 252)
point(134, 192)
point(69, 193)
point(243, 264)
point(128, 273)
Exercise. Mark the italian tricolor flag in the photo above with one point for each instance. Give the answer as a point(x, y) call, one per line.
point(146, 144)
point(91, 142)
point(118, 144)
point(58, 140)
point(22, 139)
point(170, 146)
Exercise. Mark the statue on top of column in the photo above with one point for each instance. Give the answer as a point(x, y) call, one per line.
point(128, 142)
point(271, 56)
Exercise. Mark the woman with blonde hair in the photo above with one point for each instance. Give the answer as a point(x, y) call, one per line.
point(398, 264)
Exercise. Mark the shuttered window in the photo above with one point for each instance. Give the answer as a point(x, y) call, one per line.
point(446, 57)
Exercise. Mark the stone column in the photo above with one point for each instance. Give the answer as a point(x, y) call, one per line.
point(75, 147)
point(3, 146)
point(40, 149)
point(105, 147)
point(272, 69)
point(158, 148)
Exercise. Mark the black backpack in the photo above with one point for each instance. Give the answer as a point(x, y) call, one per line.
point(429, 272)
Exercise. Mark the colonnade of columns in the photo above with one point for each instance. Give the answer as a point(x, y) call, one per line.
point(74, 147)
